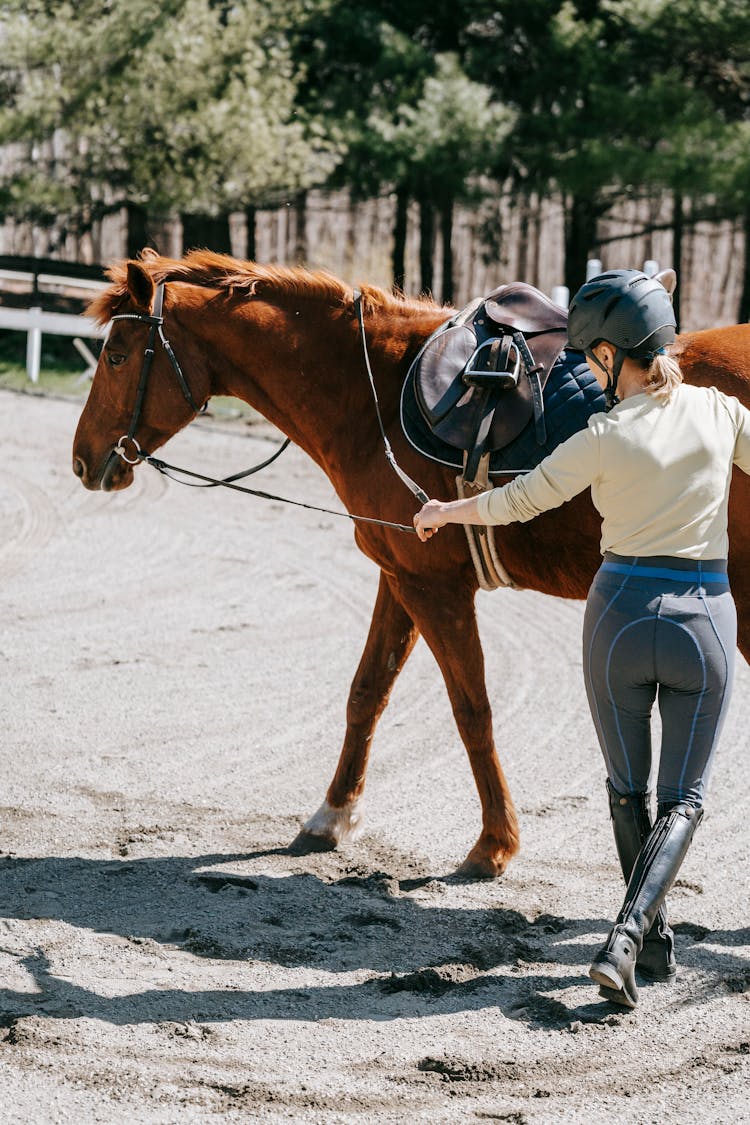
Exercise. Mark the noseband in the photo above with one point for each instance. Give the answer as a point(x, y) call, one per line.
point(155, 320)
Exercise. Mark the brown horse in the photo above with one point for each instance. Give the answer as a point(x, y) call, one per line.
point(287, 341)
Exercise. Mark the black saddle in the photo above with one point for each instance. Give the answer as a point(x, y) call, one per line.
point(480, 378)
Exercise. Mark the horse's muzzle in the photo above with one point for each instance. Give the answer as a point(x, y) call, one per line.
point(114, 474)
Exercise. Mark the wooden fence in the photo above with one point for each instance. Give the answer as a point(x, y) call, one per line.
point(502, 239)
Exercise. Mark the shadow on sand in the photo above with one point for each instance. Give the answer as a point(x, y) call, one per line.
point(426, 956)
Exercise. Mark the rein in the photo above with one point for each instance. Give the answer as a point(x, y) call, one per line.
point(167, 469)
point(155, 322)
point(413, 487)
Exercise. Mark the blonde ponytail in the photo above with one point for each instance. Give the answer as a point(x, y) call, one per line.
point(662, 377)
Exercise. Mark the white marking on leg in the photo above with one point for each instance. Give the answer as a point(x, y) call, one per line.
point(340, 824)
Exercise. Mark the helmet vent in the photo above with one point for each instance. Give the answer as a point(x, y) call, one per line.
point(610, 305)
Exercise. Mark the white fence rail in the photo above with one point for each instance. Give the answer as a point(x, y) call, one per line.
point(34, 322)
point(53, 281)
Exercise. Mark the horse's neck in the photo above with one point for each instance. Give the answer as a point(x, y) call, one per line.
point(304, 369)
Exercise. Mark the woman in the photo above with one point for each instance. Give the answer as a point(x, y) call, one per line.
point(660, 618)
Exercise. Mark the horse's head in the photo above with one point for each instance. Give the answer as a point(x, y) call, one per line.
point(139, 397)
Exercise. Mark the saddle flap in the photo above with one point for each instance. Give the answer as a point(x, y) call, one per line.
point(439, 391)
point(525, 309)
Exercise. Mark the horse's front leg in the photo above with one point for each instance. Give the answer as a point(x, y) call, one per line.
point(446, 618)
point(390, 640)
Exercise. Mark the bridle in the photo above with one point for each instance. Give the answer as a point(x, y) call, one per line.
point(155, 320)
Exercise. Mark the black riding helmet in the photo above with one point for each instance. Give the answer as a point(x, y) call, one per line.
point(626, 308)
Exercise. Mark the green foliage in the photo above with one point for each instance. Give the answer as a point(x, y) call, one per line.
point(615, 93)
point(217, 105)
point(356, 72)
point(448, 136)
point(189, 105)
point(405, 113)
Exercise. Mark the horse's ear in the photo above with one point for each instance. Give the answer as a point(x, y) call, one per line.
point(140, 286)
point(667, 278)
point(148, 254)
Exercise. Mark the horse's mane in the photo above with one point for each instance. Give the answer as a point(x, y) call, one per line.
point(231, 275)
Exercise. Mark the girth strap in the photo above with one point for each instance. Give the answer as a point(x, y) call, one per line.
point(532, 371)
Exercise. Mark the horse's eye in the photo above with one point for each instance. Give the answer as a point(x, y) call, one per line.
point(115, 359)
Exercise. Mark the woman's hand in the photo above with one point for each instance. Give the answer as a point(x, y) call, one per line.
point(437, 513)
point(431, 517)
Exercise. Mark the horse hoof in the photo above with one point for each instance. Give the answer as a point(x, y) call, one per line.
point(306, 843)
point(482, 867)
point(330, 826)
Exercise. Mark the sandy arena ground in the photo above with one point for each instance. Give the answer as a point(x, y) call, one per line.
point(175, 666)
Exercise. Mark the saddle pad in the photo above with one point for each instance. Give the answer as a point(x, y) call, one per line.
point(571, 396)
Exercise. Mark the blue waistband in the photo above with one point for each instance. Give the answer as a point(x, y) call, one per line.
point(636, 569)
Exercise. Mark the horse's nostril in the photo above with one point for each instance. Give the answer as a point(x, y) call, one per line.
point(78, 467)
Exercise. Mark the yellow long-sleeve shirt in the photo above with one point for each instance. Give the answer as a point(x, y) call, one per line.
point(659, 474)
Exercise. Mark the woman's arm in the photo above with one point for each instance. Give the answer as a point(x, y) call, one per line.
point(742, 441)
point(563, 474)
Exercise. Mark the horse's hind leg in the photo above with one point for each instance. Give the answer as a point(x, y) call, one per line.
point(390, 640)
point(446, 619)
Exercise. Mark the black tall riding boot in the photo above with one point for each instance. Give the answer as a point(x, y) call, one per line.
point(655, 870)
point(631, 823)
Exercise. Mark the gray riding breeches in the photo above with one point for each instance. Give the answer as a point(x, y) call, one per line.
point(659, 628)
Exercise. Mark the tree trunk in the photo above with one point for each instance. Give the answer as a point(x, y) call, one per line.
point(399, 239)
point(426, 246)
point(300, 229)
point(250, 243)
point(446, 230)
point(744, 309)
point(522, 209)
point(581, 216)
point(535, 237)
point(206, 232)
point(678, 238)
point(138, 236)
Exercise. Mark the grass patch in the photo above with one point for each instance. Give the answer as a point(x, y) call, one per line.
point(51, 381)
point(61, 366)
